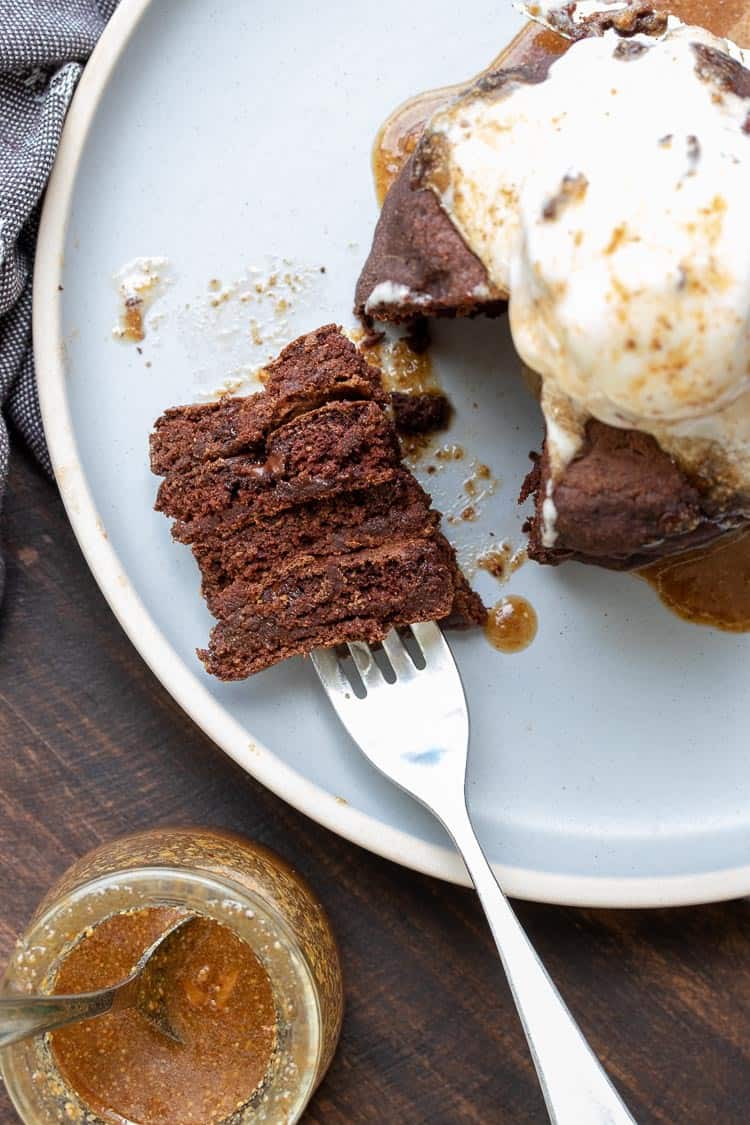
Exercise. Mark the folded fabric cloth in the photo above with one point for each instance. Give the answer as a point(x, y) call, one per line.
point(43, 44)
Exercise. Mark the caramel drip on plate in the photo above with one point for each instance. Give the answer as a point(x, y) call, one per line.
point(131, 321)
point(407, 370)
point(398, 137)
point(503, 561)
point(402, 368)
point(511, 625)
point(708, 586)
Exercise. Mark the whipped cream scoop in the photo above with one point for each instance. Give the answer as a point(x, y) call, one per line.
point(611, 202)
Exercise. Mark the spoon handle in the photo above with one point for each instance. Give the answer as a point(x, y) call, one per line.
point(24, 1016)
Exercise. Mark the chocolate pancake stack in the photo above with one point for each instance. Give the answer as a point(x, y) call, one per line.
point(623, 501)
point(306, 526)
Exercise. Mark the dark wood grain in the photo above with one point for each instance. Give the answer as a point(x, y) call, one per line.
point(91, 746)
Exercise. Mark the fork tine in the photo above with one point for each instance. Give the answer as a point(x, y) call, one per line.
point(430, 639)
point(364, 660)
point(434, 647)
point(330, 672)
point(395, 650)
point(337, 685)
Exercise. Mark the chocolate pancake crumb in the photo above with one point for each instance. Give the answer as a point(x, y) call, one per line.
point(420, 413)
point(572, 189)
point(372, 337)
point(418, 336)
point(637, 19)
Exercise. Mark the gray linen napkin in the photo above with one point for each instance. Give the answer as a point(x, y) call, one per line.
point(43, 44)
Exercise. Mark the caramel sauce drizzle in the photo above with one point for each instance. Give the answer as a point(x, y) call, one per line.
point(722, 17)
point(709, 586)
point(511, 625)
point(398, 136)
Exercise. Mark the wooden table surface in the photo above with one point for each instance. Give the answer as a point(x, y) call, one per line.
point(91, 747)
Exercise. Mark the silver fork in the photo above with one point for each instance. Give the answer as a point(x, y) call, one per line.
point(414, 728)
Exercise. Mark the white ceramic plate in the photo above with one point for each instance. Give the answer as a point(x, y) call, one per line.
point(609, 762)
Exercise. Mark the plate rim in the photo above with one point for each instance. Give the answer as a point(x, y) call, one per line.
point(173, 673)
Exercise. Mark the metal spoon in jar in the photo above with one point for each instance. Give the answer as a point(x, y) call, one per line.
point(23, 1016)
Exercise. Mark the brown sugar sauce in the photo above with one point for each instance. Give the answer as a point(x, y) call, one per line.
point(219, 1000)
point(403, 370)
point(398, 136)
point(131, 321)
point(709, 586)
point(503, 561)
point(406, 370)
point(722, 17)
point(511, 625)
point(402, 367)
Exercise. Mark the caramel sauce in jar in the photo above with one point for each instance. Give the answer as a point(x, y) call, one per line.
point(252, 986)
point(709, 586)
point(511, 625)
point(220, 1002)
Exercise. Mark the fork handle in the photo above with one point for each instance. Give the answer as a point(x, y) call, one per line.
point(575, 1086)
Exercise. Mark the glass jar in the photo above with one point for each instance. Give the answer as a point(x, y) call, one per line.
point(220, 876)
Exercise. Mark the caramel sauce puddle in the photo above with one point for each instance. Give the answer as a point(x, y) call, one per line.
point(709, 586)
point(511, 625)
